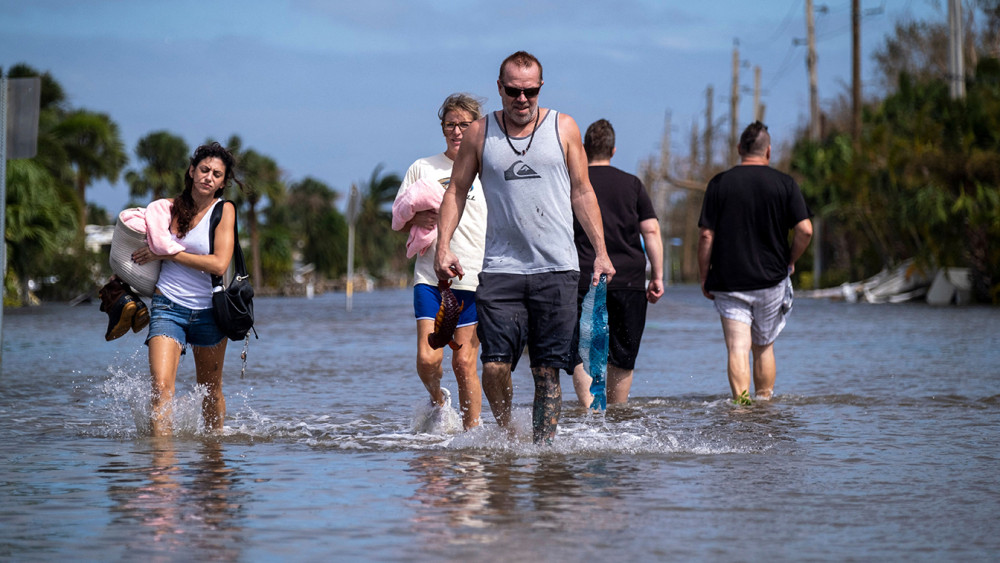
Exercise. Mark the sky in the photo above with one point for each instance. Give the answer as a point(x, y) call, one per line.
point(331, 90)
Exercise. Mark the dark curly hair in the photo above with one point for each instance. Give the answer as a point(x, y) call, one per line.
point(184, 208)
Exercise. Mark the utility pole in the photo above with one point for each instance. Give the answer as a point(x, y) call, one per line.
point(956, 62)
point(665, 148)
point(856, 71)
point(709, 94)
point(734, 105)
point(664, 173)
point(3, 202)
point(814, 132)
point(758, 112)
point(353, 210)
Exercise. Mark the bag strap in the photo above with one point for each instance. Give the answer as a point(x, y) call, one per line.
point(216, 218)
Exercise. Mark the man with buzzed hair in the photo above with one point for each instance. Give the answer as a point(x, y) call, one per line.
point(745, 260)
point(533, 170)
point(631, 231)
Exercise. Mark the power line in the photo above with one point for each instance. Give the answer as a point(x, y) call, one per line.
point(782, 27)
point(785, 66)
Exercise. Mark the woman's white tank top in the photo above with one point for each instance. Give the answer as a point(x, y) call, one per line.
point(183, 285)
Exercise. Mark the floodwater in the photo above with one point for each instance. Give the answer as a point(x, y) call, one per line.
point(881, 444)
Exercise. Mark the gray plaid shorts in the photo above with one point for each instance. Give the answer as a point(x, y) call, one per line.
point(763, 309)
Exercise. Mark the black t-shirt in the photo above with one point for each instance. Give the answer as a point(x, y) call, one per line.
point(751, 209)
point(624, 204)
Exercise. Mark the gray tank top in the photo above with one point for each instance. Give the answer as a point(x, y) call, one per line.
point(529, 223)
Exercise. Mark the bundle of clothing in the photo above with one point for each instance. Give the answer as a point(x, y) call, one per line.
point(120, 297)
point(421, 195)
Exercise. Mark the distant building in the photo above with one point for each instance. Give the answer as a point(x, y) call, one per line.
point(98, 236)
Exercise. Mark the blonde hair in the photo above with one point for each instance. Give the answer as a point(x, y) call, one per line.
point(461, 101)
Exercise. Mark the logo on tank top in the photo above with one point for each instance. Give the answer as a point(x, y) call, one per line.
point(519, 171)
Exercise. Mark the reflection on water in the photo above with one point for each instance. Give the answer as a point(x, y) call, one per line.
point(453, 493)
point(478, 500)
point(177, 506)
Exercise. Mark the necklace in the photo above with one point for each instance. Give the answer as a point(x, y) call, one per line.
point(503, 116)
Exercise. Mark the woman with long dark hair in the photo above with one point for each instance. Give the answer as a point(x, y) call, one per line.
point(181, 310)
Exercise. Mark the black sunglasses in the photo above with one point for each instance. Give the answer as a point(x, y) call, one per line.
point(516, 92)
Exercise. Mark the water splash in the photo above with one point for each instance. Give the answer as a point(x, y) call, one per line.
point(691, 425)
point(432, 419)
point(123, 409)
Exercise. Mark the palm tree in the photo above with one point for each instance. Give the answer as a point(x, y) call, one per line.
point(313, 218)
point(379, 248)
point(166, 158)
point(262, 178)
point(94, 149)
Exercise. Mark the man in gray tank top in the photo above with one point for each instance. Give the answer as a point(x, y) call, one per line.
point(533, 170)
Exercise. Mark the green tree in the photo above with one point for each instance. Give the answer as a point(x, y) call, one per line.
point(94, 149)
point(263, 178)
point(42, 194)
point(276, 253)
point(923, 183)
point(97, 215)
point(318, 227)
point(378, 249)
point(39, 225)
point(826, 173)
point(164, 159)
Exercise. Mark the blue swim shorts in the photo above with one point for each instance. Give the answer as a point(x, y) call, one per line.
point(427, 302)
point(187, 326)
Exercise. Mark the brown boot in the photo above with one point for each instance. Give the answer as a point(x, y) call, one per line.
point(141, 318)
point(111, 292)
point(118, 303)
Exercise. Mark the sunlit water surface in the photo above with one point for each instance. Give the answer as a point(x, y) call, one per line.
point(881, 443)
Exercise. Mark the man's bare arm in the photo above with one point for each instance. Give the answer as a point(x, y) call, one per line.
point(584, 202)
point(650, 229)
point(705, 239)
point(800, 241)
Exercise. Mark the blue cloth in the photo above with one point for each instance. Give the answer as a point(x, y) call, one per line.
point(594, 341)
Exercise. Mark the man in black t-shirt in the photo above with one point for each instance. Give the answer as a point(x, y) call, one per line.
point(745, 260)
point(629, 221)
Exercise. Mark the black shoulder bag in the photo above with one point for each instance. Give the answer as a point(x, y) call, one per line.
point(232, 306)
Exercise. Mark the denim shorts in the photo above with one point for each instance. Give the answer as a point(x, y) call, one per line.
point(763, 309)
point(187, 326)
point(537, 310)
point(427, 302)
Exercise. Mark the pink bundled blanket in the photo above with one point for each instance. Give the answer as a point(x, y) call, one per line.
point(154, 220)
point(418, 196)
